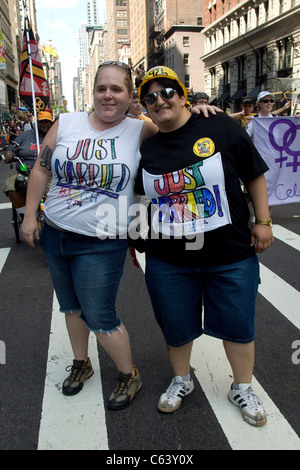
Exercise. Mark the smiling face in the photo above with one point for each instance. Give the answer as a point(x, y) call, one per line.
point(136, 107)
point(248, 108)
point(112, 95)
point(168, 114)
point(265, 105)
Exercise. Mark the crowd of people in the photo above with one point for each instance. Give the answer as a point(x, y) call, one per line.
point(189, 163)
point(27, 151)
point(10, 129)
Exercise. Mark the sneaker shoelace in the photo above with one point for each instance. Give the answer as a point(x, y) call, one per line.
point(250, 398)
point(75, 370)
point(122, 384)
point(175, 387)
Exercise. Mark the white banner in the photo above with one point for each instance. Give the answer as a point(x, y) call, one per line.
point(278, 141)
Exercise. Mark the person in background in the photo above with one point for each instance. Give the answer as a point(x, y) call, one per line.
point(28, 124)
point(13, 130)
point(200, 98)
point(136, 109)
point(191, 171)
point(264, 105)
point(244, 117)
point(27, 152)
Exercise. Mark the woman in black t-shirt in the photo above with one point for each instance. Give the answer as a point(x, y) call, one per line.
point(199, 247)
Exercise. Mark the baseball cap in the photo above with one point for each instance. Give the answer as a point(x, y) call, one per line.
point(263, 94)
point(247, 100)
point(45, 115)
point(161, 71)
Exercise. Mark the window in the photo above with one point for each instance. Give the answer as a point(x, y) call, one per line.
point(186, 59)
point(213, 77)
point(121, 3)
point(261, 62)
point(186, 41)
point(187, 81)
point(226, 73)
point(285, 48)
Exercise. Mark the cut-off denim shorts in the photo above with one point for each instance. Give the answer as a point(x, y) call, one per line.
point(86, 273)
point(227, 293)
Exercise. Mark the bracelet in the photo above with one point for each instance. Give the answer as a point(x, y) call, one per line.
point(267, 221)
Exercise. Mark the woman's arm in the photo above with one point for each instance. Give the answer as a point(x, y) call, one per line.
point(261, 235)
point(37, 186)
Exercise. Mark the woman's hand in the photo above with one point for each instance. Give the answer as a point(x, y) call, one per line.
point(261, 237)
point(30, 229)
point(205, 109)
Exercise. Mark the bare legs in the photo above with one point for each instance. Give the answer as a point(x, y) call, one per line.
point(116, 344)
point(240, 357)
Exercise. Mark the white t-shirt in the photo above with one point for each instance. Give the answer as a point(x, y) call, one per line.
point(93, 174)
point(250, 126)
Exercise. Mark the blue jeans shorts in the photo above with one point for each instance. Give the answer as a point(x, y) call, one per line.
point(86, 273)
point(227, 293)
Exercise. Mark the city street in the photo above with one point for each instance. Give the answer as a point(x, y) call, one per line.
point(35, 350)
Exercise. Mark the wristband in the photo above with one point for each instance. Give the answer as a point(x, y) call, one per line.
point(267, 221)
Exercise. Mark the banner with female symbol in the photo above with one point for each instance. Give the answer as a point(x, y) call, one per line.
point(278, 141)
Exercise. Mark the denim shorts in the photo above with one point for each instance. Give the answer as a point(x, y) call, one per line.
point(86, 273)
point(227, 294)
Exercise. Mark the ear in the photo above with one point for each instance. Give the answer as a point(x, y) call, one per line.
point(182, 101)
point(130, 97)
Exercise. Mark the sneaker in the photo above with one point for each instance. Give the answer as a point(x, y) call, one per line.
point(80, 372)
point(171, 399)
point(125, 390)
point(249, 403)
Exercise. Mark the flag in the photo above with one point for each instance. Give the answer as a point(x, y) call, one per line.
point(2, 52)
point(283, 99)
point(41, 89)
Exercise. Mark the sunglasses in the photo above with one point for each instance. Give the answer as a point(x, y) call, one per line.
point(268, 101)
point(165, 93)
point(119, 64)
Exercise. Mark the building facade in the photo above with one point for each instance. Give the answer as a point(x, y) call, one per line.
point(118, 26)
point(247, 44)
point(11, 44)
point(178, 42)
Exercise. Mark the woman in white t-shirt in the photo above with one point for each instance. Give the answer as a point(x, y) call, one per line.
point(265, 103)
point(93, 159)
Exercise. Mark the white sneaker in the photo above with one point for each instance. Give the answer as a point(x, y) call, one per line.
point(249, 403)
point(171, 399)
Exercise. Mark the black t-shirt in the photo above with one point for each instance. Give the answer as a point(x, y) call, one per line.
point(197, 170)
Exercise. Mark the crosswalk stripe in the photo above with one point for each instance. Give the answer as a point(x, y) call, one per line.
point(71, 423)
point(286, 236)
point(281, 295)
point(4, 252)
point(215, 377)
point(6, 205)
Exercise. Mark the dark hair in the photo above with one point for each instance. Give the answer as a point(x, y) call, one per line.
point(165, 82)
point(200, 95)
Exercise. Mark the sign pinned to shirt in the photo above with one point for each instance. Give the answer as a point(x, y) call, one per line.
point(278, 142)
point(189, 201)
